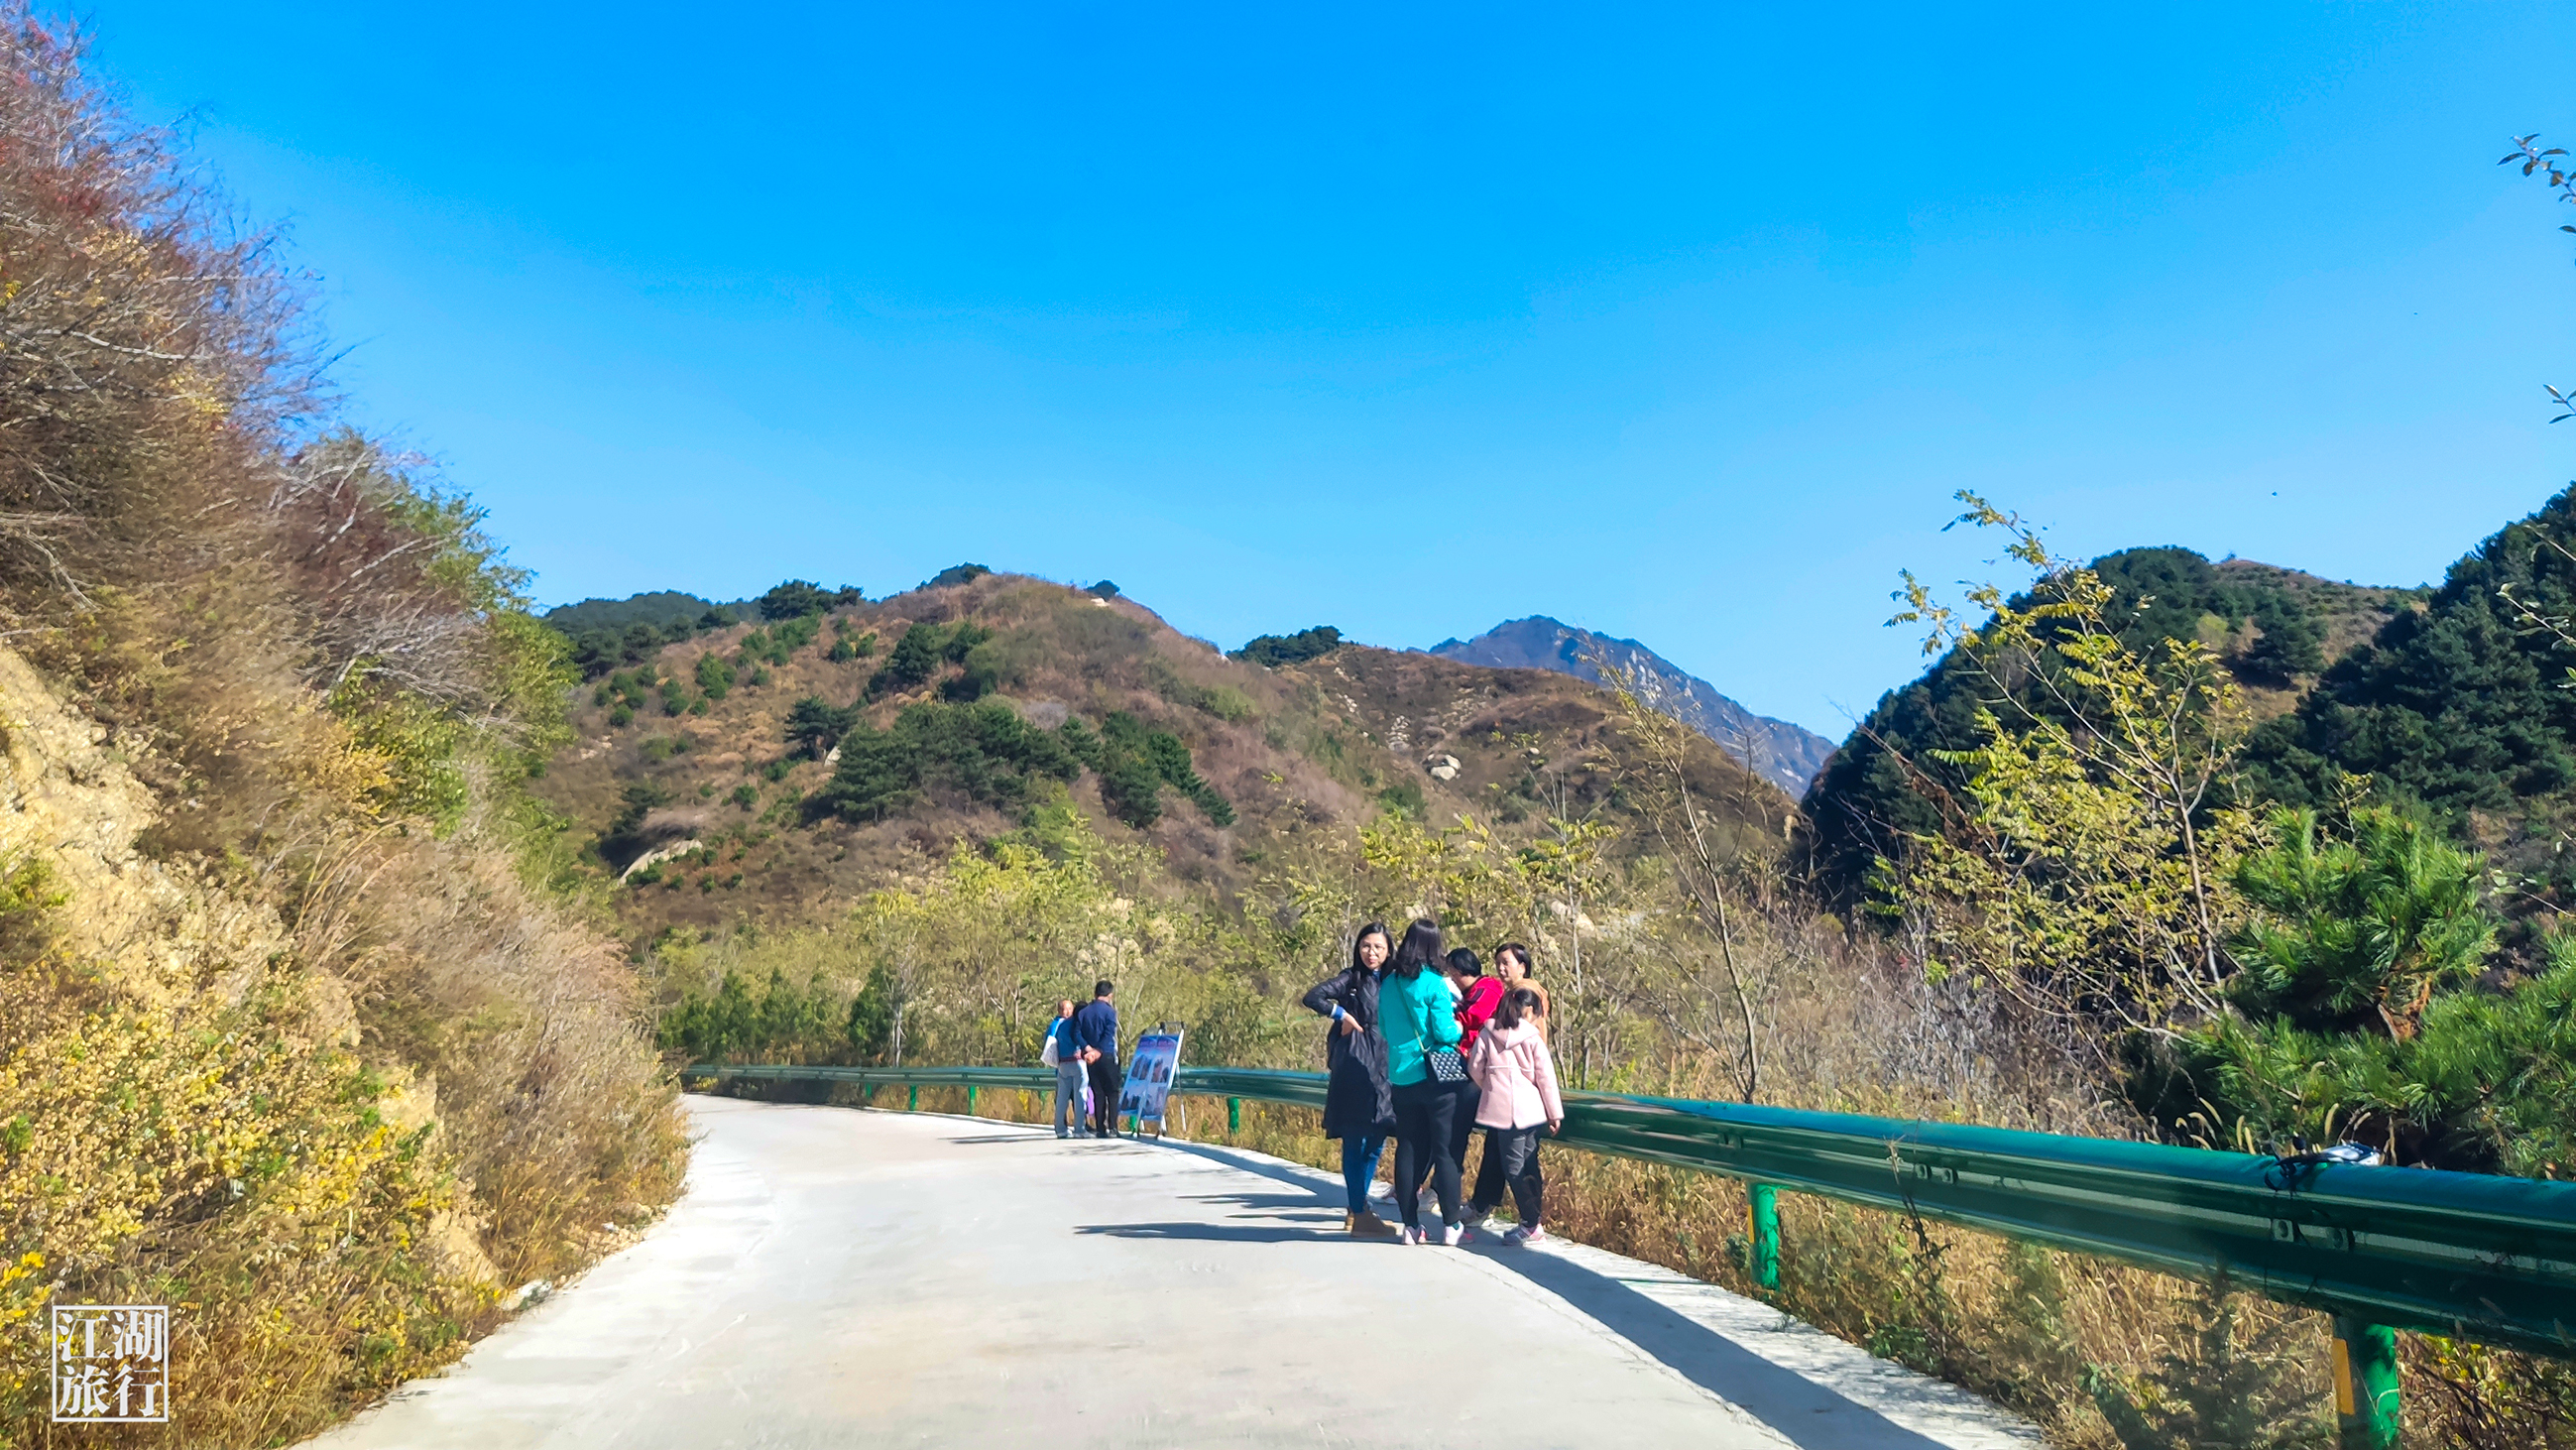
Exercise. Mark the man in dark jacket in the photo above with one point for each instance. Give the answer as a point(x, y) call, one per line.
point(1095, 1029)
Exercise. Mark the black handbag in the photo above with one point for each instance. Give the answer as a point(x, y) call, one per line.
point(1446, 1064)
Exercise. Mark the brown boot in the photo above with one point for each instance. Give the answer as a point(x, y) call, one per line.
point(1370, 1226)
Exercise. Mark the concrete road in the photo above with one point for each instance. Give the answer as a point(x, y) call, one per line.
point(841, 1278)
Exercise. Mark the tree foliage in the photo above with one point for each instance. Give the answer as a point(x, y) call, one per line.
point(2456, 707)
point(1270, 651)
point(982, 753)
point(1900, 769)
point(2082, 865)
point(799, 598)
point(815, 725)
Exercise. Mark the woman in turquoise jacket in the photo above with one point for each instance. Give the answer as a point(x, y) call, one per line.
point(1419, 1015)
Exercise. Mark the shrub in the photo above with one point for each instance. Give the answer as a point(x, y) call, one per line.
point(794, 599)
point(1124, 737)
point(1270, 651)
point(715, 676)
point(982, 752)
point(915, 659)
point(814, 725)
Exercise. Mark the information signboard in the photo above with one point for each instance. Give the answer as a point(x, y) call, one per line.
point(1149, 1077)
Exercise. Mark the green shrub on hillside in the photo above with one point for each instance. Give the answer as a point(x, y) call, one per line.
point(1134, 761)
point(715, 676)
point(1270, 651)
point(850, 646)
point(798, 598)
point(775, 643)
point(918, 656)
point(956, 574)
point(815, 725)
point(1132, 789)
point(982, 752)
point(602, 634)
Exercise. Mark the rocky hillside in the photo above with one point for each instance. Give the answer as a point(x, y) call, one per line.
point(1786, 755)
point(778, 771)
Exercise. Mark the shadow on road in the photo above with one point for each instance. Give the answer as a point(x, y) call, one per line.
point(1281, 1205)
point(1808, 1413)
point(1224, 1233)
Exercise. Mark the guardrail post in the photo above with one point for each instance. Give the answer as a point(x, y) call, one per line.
point(970, 1100)
point(1762, 1224)
point(2365, 1385)
point(912, 1102)
point(1234, 1115)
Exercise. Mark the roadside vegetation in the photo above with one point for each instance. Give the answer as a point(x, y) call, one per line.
point(299, 1032)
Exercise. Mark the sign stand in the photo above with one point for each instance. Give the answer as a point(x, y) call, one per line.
point(1148, 1089)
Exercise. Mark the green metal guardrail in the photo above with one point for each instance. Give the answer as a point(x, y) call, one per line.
point(2468, 1255)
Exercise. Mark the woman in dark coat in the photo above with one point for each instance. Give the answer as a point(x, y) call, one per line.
point(1358, 1107)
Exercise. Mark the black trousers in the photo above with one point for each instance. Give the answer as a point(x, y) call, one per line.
point(1105, 1083)
point(1463, 1131)
point(1426, 1120)
point(1489, 1177)
point(1511, 1155)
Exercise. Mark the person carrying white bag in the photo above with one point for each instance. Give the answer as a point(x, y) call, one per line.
point(1072, 1084)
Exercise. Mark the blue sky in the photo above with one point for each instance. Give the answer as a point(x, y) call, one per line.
point(1682, 324)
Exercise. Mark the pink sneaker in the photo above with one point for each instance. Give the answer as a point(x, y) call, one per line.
point(1408, 1235)
point(1532, 1234)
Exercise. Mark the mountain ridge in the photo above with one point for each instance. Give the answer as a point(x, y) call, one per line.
point(1785, 754)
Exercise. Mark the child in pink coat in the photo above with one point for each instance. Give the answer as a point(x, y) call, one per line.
point(1512, 1068)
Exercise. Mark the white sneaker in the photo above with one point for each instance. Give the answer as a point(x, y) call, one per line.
point(1455, 1234)
point(1408, 1235)
point(1525, 1237)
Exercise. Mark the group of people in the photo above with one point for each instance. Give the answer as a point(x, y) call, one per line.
point(1082, 1046)
point(1425, 1048)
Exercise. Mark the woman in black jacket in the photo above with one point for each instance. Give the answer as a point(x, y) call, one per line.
point(1358, 1106)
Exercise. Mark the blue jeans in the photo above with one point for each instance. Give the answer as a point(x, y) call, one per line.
point(1068, 1096)
point(1359, 1168)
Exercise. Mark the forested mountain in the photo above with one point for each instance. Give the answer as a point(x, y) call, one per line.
point(2273, 628)
point(2462, 708)
point(1786, 755)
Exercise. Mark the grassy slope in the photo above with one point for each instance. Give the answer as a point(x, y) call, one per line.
point(2351, 613)
point(1335, 739)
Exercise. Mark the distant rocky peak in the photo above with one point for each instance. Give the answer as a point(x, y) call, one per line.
point(1784, 754)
